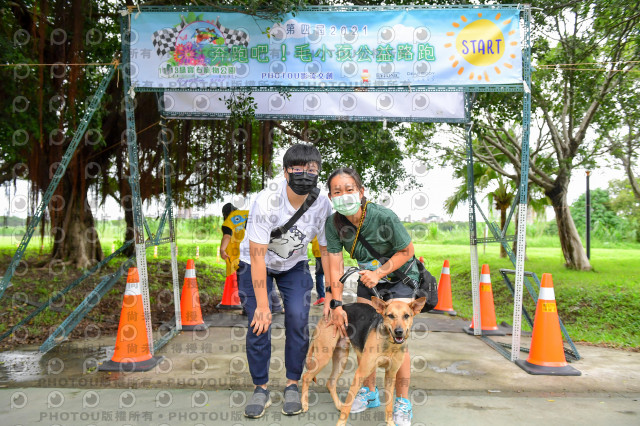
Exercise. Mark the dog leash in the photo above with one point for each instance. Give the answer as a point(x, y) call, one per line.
point(350, 272)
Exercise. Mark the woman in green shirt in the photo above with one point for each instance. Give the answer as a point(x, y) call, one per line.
point(385, 233)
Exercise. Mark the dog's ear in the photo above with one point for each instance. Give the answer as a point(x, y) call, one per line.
point(379, 304)
point(417, 305)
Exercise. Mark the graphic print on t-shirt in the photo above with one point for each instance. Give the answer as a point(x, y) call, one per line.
point(372, 266)
point(288, 243)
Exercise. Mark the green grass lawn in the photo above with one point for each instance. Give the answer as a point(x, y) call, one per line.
point(599, 307)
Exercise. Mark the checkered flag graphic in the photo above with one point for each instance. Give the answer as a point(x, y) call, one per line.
point(164, 40)
point(233, 37)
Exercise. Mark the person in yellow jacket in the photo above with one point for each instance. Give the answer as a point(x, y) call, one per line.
point(233, 227)
point(315, 248)
point(232, 234)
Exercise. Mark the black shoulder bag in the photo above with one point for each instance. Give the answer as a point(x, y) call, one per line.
point(427, 287)
point(311, 198)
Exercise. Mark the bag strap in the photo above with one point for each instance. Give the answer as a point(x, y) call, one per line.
point(283, 229)
point(355, 240)
point(400, 274)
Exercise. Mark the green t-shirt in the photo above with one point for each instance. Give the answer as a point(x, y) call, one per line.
point(382, 229)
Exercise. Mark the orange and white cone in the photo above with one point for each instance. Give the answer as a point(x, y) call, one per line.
point(190, 311)
point(445, 304)
point(487, 309)
point(132, 351)
point(546, 355)
point(230, 298)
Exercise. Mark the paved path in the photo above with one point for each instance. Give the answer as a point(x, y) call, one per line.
point(45, 406)
point(456, 379)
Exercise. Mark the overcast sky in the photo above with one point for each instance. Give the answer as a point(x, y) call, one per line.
point(437, 185)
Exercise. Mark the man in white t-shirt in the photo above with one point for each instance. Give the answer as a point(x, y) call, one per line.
point(284, 258)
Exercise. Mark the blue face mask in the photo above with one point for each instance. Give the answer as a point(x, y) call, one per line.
point(347, 204)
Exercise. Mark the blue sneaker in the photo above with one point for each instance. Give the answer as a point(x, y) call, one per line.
point(365, 399)
point(402, 412)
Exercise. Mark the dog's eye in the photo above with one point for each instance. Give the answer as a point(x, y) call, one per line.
point(391, 316)
point(406, 316)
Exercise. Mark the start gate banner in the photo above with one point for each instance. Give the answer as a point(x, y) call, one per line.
point(356, 106)
point(325, 49)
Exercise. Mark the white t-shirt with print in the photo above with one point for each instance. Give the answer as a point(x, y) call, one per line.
point(271, 209)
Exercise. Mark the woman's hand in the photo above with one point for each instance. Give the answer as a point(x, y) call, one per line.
point(326, 309)
point(369, 278)
point(261, 320)
point(339, 319)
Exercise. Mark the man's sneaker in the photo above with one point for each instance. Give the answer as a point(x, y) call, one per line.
point(365, 399)
point(292, 404)
point(402, 412)
point(319, 302)
point(258, 403)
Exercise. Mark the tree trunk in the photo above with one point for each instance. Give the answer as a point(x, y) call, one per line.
point(247, 153)
point(503, 220)
point(239, 140)
point(75, 237)
point(572, 249)
point(126, 202)
point(127, 205)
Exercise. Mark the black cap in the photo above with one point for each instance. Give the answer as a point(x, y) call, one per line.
point(227, 209)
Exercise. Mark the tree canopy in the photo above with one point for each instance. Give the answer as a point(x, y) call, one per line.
point(602, 212)
point(210, 159)
point(583, 52)
point(586, 56)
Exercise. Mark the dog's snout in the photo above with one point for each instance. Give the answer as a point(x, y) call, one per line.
point(399, 331)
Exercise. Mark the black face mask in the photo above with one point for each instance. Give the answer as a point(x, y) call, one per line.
point(303, 183)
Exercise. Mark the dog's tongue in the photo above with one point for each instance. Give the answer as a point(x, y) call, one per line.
point(399, 339)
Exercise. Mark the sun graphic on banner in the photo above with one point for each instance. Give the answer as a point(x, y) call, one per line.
point(481, 43)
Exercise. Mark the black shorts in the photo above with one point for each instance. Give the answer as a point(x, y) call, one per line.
point(387, 291)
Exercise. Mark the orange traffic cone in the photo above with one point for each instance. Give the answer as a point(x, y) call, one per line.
point(132, 352)
point(445, 304)
point(487, 310)
point(230, 298)
point(546, 355)
point(191, 313)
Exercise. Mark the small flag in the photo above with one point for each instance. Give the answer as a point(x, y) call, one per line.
point(233, 37)
point(164, 40)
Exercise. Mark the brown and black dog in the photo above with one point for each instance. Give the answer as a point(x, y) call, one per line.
point(378, 334)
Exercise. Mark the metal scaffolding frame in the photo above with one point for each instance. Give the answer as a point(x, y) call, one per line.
point(108, 281)
point(140, 224)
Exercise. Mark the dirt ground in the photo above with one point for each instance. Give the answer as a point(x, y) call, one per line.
point(36, 280)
